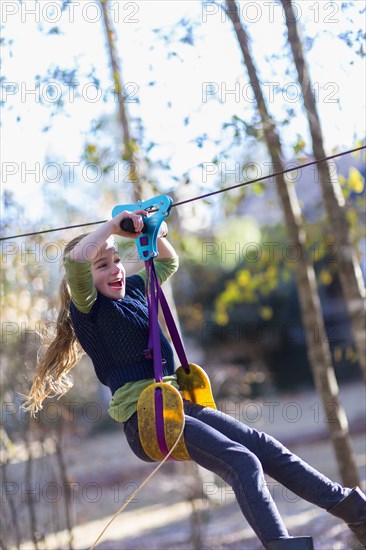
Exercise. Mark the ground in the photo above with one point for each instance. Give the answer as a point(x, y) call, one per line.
point(104, 472)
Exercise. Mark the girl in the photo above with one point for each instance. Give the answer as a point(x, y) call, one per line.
point(105, 313)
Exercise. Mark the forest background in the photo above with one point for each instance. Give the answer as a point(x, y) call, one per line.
point(105, 103)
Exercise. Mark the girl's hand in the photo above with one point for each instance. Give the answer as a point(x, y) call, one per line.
point(137, 221)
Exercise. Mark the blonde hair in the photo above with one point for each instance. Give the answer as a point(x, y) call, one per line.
point(60, 354)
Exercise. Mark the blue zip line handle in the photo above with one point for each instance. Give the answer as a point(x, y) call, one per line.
point(147, 243)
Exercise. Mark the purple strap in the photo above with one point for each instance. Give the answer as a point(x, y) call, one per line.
point(159, 419)
point(154, 294)
point(171, 326)
point(154, 336)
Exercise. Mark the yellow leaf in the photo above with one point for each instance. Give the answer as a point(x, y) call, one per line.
point(134, 146)
point(351, 355)
point(356, 181)
point(358, 143)
point(221, 318)
point(243, 277)
point(266, 312)
point(299, 146)
point(272, 272)
point(325, 277)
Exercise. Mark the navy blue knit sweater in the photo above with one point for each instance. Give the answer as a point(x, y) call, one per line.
point(115, 335)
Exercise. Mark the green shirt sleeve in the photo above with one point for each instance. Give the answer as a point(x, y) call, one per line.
point(165, 268)
point(80, 281)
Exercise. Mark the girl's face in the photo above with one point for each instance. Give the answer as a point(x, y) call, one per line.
point(109, 275)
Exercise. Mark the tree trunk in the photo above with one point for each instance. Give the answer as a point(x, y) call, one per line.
point(350, 273)
point(317, 345)
point(129, 144)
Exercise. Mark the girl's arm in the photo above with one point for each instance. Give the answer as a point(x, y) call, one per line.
point(165, 249)
point(89, 247)
point(79, 260)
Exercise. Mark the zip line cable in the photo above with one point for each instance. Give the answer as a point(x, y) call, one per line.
point(242, 184)
point(269, 176)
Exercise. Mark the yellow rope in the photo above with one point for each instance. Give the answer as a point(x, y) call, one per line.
point(138, 490)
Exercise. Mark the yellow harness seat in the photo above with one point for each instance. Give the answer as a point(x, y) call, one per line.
point(194, 386)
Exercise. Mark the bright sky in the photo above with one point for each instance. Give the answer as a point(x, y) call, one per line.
point(212, 65)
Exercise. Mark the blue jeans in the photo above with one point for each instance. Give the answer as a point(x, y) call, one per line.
point(241, 456)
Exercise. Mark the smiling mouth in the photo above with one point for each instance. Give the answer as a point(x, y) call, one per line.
point(117, 284)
